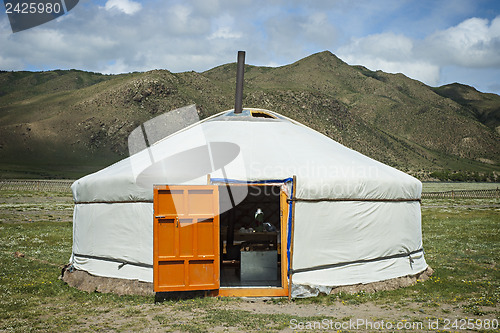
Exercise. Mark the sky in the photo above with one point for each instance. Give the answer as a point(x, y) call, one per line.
point(434, 41)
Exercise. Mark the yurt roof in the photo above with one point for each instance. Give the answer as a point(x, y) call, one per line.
point(254, 145)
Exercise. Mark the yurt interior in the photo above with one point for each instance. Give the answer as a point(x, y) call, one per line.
point(250, 242)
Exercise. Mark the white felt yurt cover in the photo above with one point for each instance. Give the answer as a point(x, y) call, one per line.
point(356, 220)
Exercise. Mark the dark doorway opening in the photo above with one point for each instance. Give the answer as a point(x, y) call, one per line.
point(250, 238)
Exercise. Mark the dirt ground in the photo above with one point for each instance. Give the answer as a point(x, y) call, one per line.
point(367, 317)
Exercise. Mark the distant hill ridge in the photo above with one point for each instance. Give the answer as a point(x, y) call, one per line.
point(69, 123)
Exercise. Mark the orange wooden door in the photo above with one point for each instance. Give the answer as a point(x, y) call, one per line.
point(186, 238)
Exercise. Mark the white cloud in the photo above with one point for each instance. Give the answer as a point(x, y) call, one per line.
point(473, 43)
point(181, 35)
point(225, 33)
point(181, 13)
point(126, 6)
point(390, 53)
point(388, 46)
point(11, 63)
point(225, 27)
point(183, 20)
point(419, 70)
point(118, 66)
point(296, 35)
point(316, 28)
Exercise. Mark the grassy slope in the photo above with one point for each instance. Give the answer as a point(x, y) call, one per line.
point(68, 123)
point(485, 107)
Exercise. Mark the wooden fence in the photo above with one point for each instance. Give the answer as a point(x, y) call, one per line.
point(61, 185)
point(463, 194)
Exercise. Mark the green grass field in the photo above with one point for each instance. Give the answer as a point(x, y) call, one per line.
point(462, 244)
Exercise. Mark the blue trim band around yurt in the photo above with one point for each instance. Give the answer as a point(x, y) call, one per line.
point(290, 202)
point(236, 181)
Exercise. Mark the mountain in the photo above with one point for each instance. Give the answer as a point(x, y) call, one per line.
point(70, 123)
point(484, 107)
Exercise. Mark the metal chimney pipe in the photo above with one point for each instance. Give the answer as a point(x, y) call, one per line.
point(238, 101)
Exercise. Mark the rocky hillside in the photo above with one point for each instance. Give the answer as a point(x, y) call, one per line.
point(69, 123)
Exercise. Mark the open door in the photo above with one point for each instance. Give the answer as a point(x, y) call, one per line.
point(186, 238)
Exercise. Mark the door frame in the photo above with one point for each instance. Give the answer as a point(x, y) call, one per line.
point(282, 291)
point(286, 227)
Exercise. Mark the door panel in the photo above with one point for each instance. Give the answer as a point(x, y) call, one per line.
point(170, 202)
point(164, 228)
point(186, 234)
point(171, 273)
point(205, 245)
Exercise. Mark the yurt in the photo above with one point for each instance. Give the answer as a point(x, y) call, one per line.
point(248, 204)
